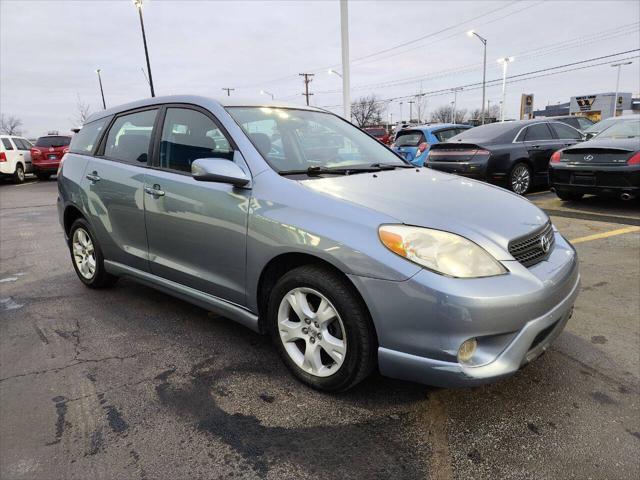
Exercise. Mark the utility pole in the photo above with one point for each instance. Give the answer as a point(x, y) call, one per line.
point(471, 33)
point(307, 81)
point(410, 102)
point(454, 103)
point(104, 105)
point(401, 121)
point(344, 35)
point(228, 90)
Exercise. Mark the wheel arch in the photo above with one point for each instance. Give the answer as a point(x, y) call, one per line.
point(71, 214)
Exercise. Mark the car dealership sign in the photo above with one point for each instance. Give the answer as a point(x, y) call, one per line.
point(601, 102)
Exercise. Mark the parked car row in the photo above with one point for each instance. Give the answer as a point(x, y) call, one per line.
point(18, 156)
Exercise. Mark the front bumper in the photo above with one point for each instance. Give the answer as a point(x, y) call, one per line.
point(422, 322)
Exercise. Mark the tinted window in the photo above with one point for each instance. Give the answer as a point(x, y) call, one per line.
point(85, 140)
point(539, 131)
point(21, 144)
point(7, 144)
point(376, 132)
point(129, 137)
point(444, 135)
point(409, 138)
point(584, 122)
point(188, 135)
point(493, 132)
point(49, 141)
point(564, 131)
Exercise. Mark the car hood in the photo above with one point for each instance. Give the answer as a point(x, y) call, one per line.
point(631, 144)
point(488, 215)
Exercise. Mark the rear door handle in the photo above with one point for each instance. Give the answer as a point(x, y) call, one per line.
point(93, 177)
point(155, 191)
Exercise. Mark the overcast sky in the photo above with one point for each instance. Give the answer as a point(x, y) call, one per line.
point(49, 51)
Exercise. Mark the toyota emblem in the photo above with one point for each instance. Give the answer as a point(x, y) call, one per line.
point(545, 243)
point(588, 158)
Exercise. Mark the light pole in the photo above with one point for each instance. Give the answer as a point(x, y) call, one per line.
point(471, 33)
point(401, 120)
point(454, 103)
point(344, 34)
point(615, 97)
point(138, 4)
point(264, 92)
point(331, 71)
point(104, 105)
point(504, 61)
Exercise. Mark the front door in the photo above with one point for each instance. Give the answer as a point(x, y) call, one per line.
point(196, 230)
point(114, 182)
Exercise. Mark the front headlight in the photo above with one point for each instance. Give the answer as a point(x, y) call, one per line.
point(442, 252)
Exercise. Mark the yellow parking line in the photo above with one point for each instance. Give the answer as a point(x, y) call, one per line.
point(611, 233)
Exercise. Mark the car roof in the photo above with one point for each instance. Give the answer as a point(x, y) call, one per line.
point(198, 100)
point(434, 126)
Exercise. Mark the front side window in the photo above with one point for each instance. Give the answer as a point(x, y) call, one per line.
point(85, 140)
point(291, 139)
point(565, 132)
point(539, 131)
point(188, 135)
point(7, 144)
point(53, 141)
point(129, 137)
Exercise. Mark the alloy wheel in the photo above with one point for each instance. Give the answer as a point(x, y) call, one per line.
point(312, 332)
point(83, 253)
point(520, 179)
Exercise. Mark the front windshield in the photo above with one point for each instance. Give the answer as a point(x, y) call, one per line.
point(292, 140)
point(624, 129)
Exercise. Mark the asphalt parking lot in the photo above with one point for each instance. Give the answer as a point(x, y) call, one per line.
point(131, 383)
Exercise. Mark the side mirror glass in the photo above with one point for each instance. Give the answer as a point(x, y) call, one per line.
point(218, 170)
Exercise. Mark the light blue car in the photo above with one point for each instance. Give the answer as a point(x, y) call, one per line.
point(413, 143)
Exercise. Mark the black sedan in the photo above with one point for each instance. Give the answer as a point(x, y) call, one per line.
point(513, 154)
point(607, 165)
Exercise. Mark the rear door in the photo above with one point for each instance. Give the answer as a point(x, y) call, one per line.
point(196, 230)
point(114, 182)
point(565, 134)
point(540, 143)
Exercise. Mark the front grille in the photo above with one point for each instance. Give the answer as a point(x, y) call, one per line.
point(542, 335)
point(529, 250)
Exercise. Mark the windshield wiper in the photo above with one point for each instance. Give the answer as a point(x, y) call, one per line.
point(389, 166)
point(318, 170)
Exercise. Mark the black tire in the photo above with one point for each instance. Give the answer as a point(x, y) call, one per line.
point(18, 175)
point(567, 196)
point(516, 171)
point(100, 278)
point(361, 353)
point(43, 176)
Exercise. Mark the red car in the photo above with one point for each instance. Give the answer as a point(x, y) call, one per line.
point(46, 155)
point(379, 133)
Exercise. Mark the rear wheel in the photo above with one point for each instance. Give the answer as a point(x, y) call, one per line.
point(564, 195)
point(520, 178)
point(87, 257)
point(321, 328)
point(18, 175)
point(43, 176)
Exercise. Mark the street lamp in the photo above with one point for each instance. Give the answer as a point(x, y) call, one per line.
point(138, 5)
point(331, 71)
point(471, 33)
point(344, 44)
point(104, 105)
point(615, 97)
point(264, 92)
point(401, 120)
point(454, 103)
point(504, 61)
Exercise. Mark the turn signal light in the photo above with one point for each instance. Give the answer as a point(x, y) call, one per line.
point(635, 160)
point(555, 158)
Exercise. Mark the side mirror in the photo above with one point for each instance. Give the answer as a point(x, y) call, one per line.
point(589, 136)
point(218, 170)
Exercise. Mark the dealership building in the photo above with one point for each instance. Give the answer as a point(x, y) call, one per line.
point(595, 106)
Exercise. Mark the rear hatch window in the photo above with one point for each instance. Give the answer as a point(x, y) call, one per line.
point(53, 142)
point(376, 132)
point(409, 138)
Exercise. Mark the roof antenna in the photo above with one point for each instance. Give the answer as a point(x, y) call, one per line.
point(145, 76)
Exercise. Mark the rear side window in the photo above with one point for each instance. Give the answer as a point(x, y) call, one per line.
point(21, 144)
point(85, 140)
point(539, 131)
point(409, 138)
point(188, 135)
point(129, 137)
point(53, 141)
point(566, 132)
point(7, 144)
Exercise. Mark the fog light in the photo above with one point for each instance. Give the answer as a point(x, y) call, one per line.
point(466, 350)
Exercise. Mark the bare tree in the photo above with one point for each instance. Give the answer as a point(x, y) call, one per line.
point(367, 111)
point(493, 112)
point(10, 125)
point(444, 114)
point(83, 110)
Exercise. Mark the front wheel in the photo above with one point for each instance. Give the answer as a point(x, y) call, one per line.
point(321, 328)
point(87, 258)
point(520, 178)
point(18, 175)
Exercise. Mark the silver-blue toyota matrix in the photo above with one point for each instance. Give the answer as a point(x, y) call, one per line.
point(295, 223)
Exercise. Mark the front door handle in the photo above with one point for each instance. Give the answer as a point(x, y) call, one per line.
point(155, 191)
point(93, 177)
